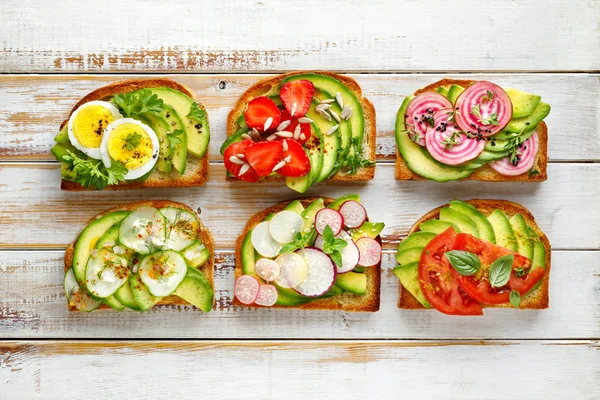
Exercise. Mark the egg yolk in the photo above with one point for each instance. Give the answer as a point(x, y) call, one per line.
point(89, 124)
point(130, 145)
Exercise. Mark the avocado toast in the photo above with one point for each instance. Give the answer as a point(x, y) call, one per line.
point(302, 127)
point(310, 253)
point(482, 237)
point(140, 255)
point(132, 134)
point(471, 130)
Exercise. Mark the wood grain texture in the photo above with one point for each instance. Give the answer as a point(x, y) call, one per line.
point(213, 35)
point(32, 305)
point(33, 107)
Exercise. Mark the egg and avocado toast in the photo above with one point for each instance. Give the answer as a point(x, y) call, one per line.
point(132, 134)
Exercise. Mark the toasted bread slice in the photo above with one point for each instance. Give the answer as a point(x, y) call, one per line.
point(196, 171)
point(271, 86)
point(205, 236)
point(484, 173)
point(535, 300)
point(345, 301)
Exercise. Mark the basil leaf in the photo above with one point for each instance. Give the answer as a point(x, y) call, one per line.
point(500, 270)
point(328, 234)
point(288, 248)
point(336, 257)
point(515, 298)
point(464, 262)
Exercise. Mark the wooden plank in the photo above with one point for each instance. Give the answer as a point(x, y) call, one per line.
point(300, 370)
point(32, 107)
point(33, 202)
point(217, 36)
point(32, 305)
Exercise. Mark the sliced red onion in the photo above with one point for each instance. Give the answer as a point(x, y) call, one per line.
point(419, 112)
point(527, 153)
point(478, 104)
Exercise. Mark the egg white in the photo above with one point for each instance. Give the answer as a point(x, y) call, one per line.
point(136, 172)
point(90, 151)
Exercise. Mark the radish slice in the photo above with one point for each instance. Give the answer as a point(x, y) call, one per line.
point(282, 282)
point(267, 295)
point(321, 273)
point(293, 268)
point(246, 289)
point(527, 154)
point(267, 269)
point(442, 131)
point(354, 213)
point(284, 225)
point(370, 252)
point(330, 217)
point(419, 112)
point(350, 253)
point(263, 242)
point(486, 99)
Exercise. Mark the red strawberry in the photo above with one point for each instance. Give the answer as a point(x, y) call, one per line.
point(263, 156)
point(296, 97)
point(259, 111)
point(304, 128)
point(296, 160)
point(231, 153)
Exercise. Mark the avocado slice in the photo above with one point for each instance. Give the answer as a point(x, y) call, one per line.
point(489, 156)
point(125, 297)
point(179, 153)
point(417, 239)
point(523, 103)
point(59, 150)
point(314, 151)
point(248, 255)
point(367, 229)
point(336, 204)
point(63, 135)
point(141, 294)
point(538, 261)
point(196, 290)
point(497, 145)
point(331, 143)
point(454, 92)
point(486, 232)
point(352, 282)
point(310, 212)
point(161, 128)
point(443, 90)
point(409, 255)
point(464, 223)
point(503, 231)
point(409, 278)
point(295, 206)
point(196, 254)
point(234, 138)
point(113, 302)
point(528, 123)
point(522, 233)
point(436, 226)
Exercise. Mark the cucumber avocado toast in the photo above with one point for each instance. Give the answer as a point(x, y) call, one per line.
point(302, 127)
point(132, 134)
point(140, 255)
point(471, 254)
point(462, 129)
point(313, 253)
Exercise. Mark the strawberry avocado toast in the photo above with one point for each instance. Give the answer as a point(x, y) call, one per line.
point(458, 129)
point(301, 127)
point(316, 253)
point(140, 255)
point(467, 255)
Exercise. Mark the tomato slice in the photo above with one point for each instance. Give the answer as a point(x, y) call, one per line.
point(439, 283)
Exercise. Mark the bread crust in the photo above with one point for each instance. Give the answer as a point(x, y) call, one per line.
point(269, 85)
point(485, 172)
point(205, 235)
point(536, 300)
point(197, 168)
point(368, 302)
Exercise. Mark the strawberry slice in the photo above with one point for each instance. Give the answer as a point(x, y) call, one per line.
point(234, 163)
point(304, 128)
point(264, 156)
point(296, 97)
point(258, 113)
point(295, 158)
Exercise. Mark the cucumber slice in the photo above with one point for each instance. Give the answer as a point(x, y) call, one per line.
point(196, 290)
point(105, 273)
point(110, 241)
point(196, 255)
point(76, 296)
point(125, 297)
point(143, 230)
point(182, 228)
point(162, 272)
point(141, 294)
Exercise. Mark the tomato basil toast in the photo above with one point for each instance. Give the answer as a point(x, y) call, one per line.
point(460, 129)
point(467, 255)
point(301, 127)
point(140, 255)
point(135, 133)
point(315, 253)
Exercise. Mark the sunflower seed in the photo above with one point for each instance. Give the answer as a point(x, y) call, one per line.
point(245, 168)
point(322, 107)
point(326, 101)
point(236, 160)
point(284, 125)
point(272, 137)
point(297, 131)
point(240, 156)
point(302, 136)
point(339, 99)
point(305, 120)
point(279, 165)
point(346, 112)
point(325, 115)
point(245, 136)
point(294, 108)
point(335, 116)
point(332, 129)
point(268, 123)
point(288, 159)
point(284, 134)
point(285, 145)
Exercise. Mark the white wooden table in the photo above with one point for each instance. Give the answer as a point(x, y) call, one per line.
point(55, 52)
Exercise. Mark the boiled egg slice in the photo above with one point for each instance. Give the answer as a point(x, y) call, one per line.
point(132, 143)
point(87, 124)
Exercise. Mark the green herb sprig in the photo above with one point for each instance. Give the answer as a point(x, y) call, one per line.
point(333, 246)
point(132, 141)
point(300, 242)
point(491, 120)
point(139, 102)
point(93, 173)
point(196, 112)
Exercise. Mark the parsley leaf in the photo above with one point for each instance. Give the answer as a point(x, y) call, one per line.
point(132, 141)
point(196, 112)
point(93, 173)
point(138, 102)
point(534, 172)
point(174, 139)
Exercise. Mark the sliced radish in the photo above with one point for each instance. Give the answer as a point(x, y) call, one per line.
point(246, 289)
point(284, 225)
point(267, 295)
point(263, 242)
point(293, 268)
point(370, 252)
point(321, 273)
point(350, 253)
point(267, 269)
point(478, 104)
point(330, 217)
point(444, 132)
point(282, 282)
point(354, 213)
point(419, 113)
point(527, 154)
